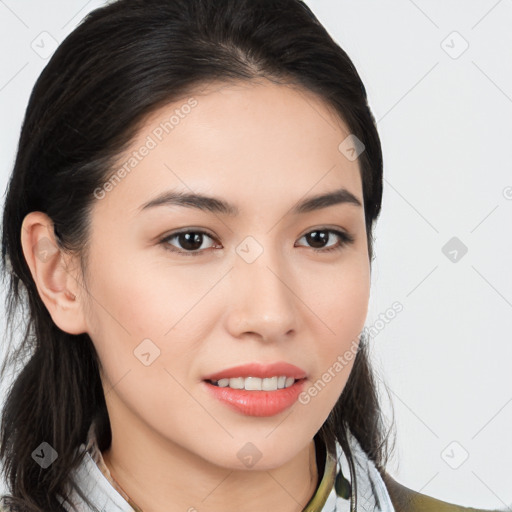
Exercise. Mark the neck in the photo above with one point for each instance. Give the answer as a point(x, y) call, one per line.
point(169, 478)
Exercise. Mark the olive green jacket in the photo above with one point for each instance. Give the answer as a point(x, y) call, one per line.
point(407, 500)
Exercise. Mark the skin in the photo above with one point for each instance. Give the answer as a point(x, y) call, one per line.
point(263, 147)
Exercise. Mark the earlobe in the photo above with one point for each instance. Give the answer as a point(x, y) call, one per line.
point(49, 265)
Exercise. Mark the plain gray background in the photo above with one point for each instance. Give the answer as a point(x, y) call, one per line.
point(439, 79)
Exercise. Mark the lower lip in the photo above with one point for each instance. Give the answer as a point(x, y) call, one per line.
point(258, 403)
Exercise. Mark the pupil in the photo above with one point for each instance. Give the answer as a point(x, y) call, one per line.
point(315, 236)
point(190, 241)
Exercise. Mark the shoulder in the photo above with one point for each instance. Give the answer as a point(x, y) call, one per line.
point(407, 500)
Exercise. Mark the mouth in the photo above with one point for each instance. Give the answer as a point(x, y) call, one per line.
point(257, 389)
point(258, 396)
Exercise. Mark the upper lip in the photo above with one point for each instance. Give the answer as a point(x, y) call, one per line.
point(259, 370)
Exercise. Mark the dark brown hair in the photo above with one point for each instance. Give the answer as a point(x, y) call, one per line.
point(124, 61)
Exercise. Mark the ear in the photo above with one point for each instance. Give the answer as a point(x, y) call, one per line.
point(54, 273)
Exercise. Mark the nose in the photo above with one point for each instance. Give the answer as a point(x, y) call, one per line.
point(262, 301)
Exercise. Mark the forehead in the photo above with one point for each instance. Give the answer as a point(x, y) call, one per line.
point(244, 140)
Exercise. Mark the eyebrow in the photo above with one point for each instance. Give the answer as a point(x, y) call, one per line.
point(220, 206)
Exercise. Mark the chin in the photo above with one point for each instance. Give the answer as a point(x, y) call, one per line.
point(255, 455)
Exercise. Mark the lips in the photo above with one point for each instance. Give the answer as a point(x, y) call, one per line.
point(260, 370)
point(257, 402)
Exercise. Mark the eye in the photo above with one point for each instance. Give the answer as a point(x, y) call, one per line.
point(321, 236)
point(189, 240)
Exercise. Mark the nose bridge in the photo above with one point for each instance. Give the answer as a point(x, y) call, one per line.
point(262, 299)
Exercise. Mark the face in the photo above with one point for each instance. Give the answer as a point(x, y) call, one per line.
point(178, 293)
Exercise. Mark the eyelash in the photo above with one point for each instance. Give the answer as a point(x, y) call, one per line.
point(345, 239)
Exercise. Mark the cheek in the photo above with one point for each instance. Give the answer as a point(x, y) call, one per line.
point(339, 296)
point(340, 310)
point(144, 335)
point(143, 295)
point(144, 311)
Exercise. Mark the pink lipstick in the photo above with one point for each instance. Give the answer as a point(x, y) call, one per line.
point(257, 389)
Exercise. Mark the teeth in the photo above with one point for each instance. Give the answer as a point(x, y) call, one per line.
point(255, 383)
point(269, 384)
point(237, 383)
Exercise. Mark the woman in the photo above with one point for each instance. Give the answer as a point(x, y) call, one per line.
point(190, 216)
